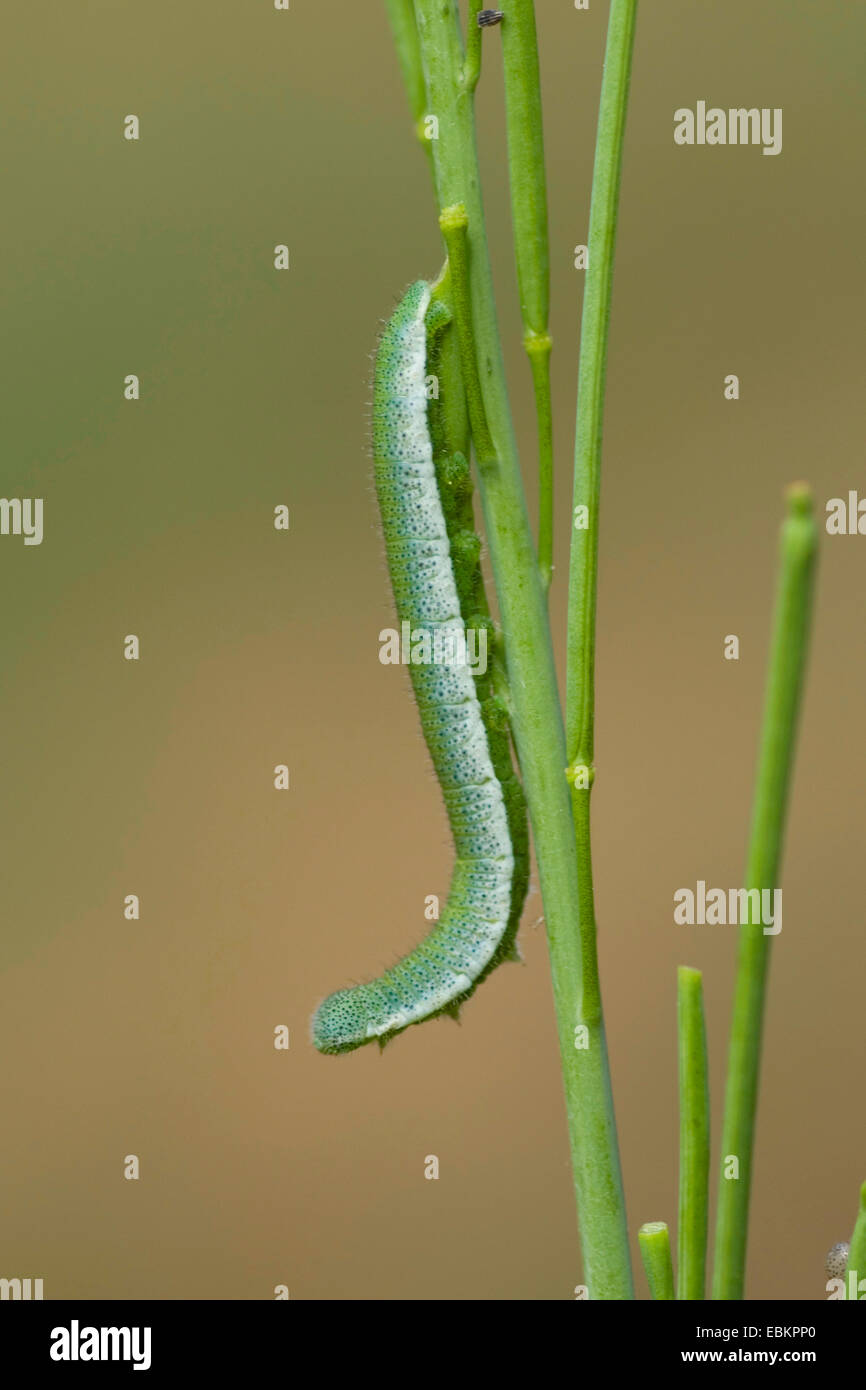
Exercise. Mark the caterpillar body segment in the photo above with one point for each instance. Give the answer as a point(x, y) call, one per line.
point(425, 498)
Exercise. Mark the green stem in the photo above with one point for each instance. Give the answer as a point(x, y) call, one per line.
point(583, 573)
point(857, 1251)
point(453, 413)
point(538, 350)
point(590, 405)
point(401, 14)
point(584, 546)
point(537, 720)
point(528, 185)
point(694, 1136)
point(655, 1249)
point(472, 63)
point(451, 401)
point(454, 225)
point(782, 700)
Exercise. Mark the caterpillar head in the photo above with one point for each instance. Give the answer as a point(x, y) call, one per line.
point(837, 1260)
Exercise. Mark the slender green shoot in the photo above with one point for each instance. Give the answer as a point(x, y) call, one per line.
point(580, 772)
point(454, 225)
point(694, 1136)
point(526, 174)
point(857, 1251)
point(580, 698)
point(655, 1249)
point(787, 664)
point(401, 14)
point(538, 348)
point(580, 692)
point(471, 71)
point(537, 722)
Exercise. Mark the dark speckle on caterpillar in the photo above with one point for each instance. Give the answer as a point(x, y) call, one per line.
point(837, 1260)
point(470, 753)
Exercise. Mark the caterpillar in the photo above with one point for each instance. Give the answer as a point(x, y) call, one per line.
point(424, 492)
point(837, 1260)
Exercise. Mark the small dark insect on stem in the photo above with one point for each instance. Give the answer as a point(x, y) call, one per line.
point(486, 17)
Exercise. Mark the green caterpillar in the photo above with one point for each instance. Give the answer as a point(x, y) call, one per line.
point(425, 498)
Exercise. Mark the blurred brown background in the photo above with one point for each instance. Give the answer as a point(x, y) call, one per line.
point(155, 1038)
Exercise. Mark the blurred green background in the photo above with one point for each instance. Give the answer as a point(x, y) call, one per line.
point(155, 1037)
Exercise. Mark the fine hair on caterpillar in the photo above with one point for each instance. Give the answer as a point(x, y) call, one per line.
point(424, 491)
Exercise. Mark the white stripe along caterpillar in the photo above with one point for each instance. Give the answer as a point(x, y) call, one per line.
point(425, 499)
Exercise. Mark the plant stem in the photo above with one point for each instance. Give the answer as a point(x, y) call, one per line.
point(655, 1249)
point(782, 700)
point(529, 219)
point(857, 1251)
point(694, 1136)
point(538, 348)
point(604, 206)
point(401, 14)
point(472, 61)
point(454, 225)
point(537, 720)
point(584, 545)
point(583, 572)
